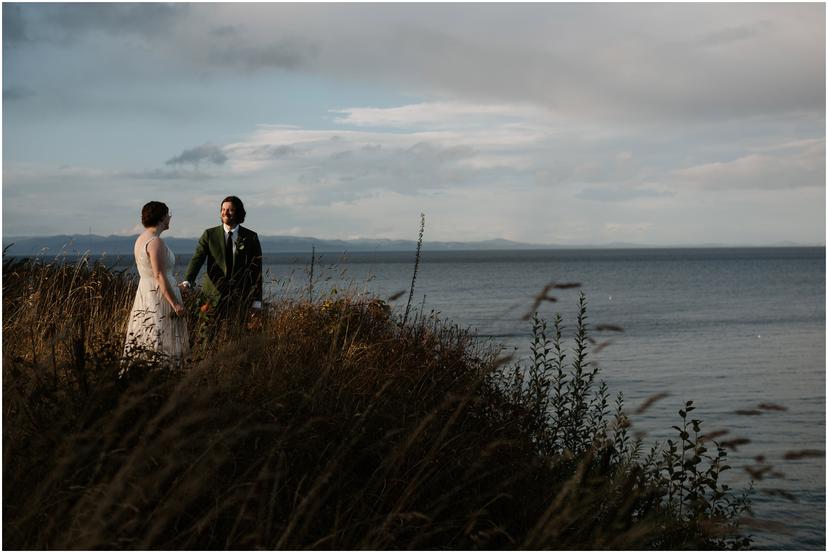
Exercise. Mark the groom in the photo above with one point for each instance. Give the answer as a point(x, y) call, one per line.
point(233, 283)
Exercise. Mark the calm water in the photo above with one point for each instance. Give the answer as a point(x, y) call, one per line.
point(727, 328)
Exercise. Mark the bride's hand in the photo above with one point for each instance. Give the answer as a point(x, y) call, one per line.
point(179, 310)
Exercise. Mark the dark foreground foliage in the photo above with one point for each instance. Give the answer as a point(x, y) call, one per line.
point(329, 425)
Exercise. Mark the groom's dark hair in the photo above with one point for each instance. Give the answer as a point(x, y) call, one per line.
point(152, 213)
point(237, 203)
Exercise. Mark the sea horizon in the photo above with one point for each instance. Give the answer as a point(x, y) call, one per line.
point(20, 246)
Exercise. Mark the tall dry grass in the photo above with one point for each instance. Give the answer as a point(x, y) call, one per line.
point(329, 425)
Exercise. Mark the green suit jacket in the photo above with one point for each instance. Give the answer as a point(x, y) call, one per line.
point(245, 284)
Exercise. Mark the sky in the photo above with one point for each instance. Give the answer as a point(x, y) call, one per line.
point(654, 124)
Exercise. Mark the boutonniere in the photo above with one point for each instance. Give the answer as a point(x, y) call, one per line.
point(239, 245)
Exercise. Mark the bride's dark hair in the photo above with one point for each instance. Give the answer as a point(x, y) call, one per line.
point(237, 203)
point(152, 213)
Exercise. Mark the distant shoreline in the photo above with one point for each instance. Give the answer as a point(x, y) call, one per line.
point(60, 245)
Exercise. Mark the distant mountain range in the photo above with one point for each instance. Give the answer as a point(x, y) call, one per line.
point(118, 245)
point(122, 245)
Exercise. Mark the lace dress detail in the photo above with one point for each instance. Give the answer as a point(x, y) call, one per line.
point(153, 327)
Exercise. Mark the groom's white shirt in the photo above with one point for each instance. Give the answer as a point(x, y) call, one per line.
point(235, 231)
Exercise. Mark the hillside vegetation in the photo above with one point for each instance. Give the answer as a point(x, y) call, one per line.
point(329, 424)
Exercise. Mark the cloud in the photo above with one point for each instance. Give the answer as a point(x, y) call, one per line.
point(272, 151)
point(285, 54)
point(426, 148)
point(628, 228)
point(513, 115)
point(739, 33)
point(803, 167)
point(14, 25)
point(429, 153)
point(44, 174)
point(15, 93)
point(603, 62)
point(167, 174)
point(73, 21)
point(205, 152)
point(620, 194)
point(225, 30)
point(623, 62)
point(438, 115)
point(339, 165)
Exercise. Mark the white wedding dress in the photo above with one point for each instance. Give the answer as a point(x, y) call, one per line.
point(153, 327)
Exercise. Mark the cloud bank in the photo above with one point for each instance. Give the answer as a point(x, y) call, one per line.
point(656, 123)
point(205, 152)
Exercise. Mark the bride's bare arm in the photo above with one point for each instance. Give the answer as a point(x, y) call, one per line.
point(155, 249)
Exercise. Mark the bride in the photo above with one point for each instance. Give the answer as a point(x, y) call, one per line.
point(156, 323)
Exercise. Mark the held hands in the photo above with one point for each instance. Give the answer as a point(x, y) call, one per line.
point(179, 309)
